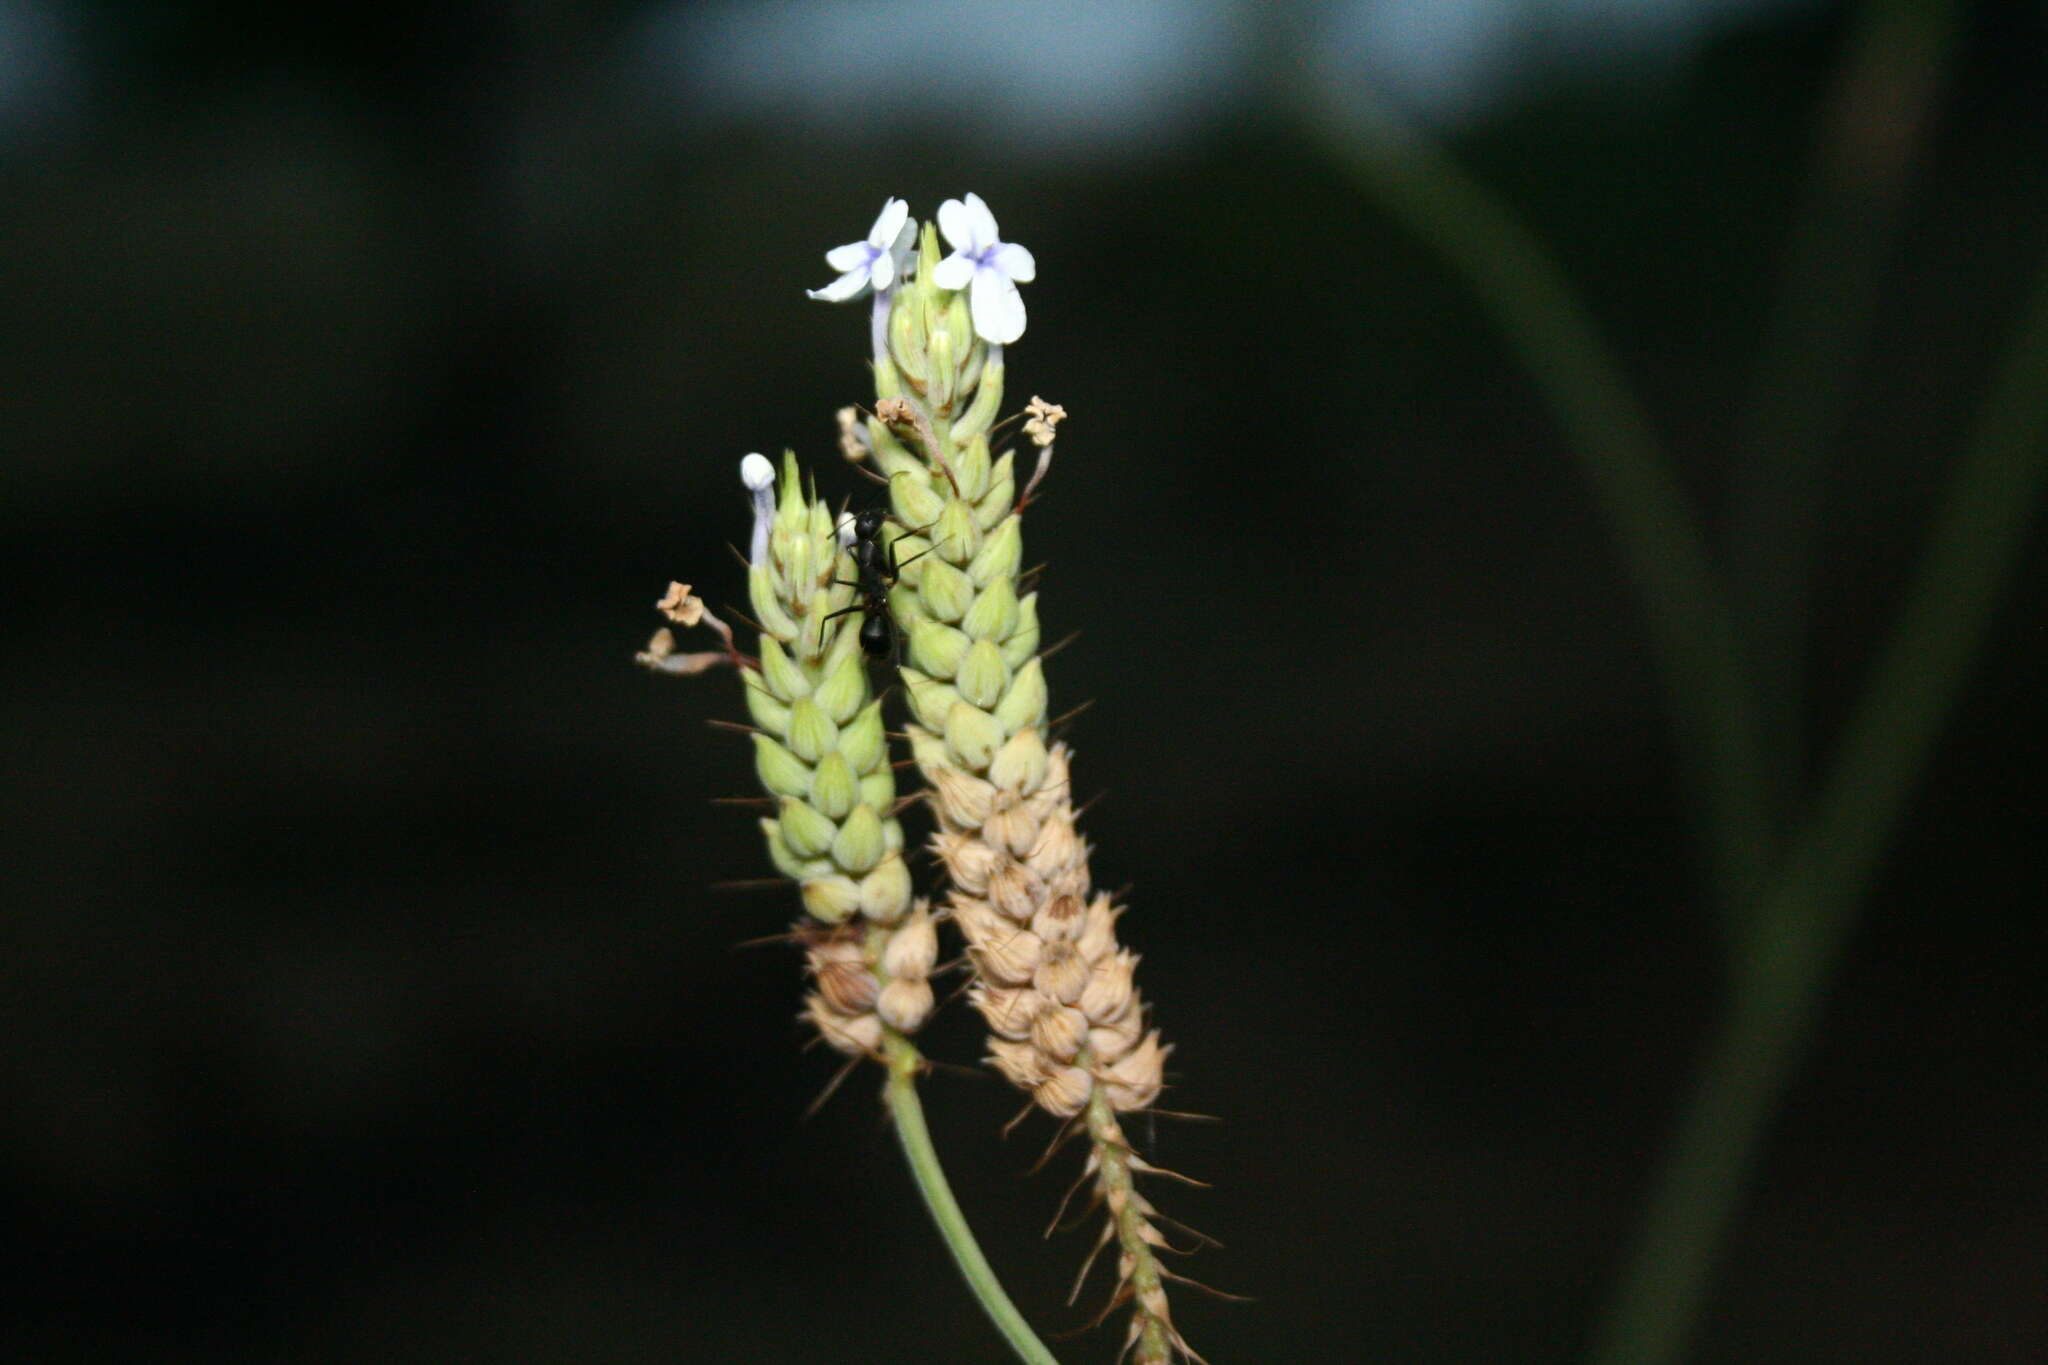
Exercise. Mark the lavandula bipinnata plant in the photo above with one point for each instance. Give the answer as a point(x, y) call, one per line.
point(1065, 1020)
point(1049, 977)
point(820, 753)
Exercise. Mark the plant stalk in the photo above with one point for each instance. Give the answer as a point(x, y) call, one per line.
point(900, 1093)
point(1871, 128)
point(1526, 294)
point(1791, 953)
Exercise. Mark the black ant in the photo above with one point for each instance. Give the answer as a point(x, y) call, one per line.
point(876, 566)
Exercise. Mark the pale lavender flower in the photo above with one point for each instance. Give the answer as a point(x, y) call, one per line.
point(989, 268)
point(876, 263)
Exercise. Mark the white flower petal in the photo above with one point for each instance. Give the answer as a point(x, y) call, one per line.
point(852, 256)
point(847, 286)
point(892, 219)
point(997, 307)
point(957, 226)
point(1016, 262)
point(756, 471)
point(953, 272)
point(882, 273)
point(981, 223)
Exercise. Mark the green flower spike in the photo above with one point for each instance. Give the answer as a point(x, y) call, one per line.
point(820, 753)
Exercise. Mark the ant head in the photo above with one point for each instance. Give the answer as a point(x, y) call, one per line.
point(868, 522)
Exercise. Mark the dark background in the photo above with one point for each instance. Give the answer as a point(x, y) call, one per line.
point(366, 376)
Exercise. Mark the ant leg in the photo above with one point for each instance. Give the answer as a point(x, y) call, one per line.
point(895, 568)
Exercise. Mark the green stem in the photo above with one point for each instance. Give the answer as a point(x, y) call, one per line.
point(1525, 293)
point(900, 1093)
point(1870, 130)
point(1792, 952)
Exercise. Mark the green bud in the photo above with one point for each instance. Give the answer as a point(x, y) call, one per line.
point(811, 732)
point(970, 369)
point(837, 593)
point(906, 606)
point(790, 508)
point(845, 643)
point(994, 614)
point(892, 831)
point(780, 771)
point(916, 502)
point(861, 742)
point(945, 591)
point(787, 863)
point(959, 318)
point(927, 749)
point(972, 735)
point(887, 383)
point(988, 397)
point(912, 558)
point(768, 713)
point(831, 899)
point(992, 506)
point(834, 786)
point(823, 527)
point(971, 469)
point(878, 788)
point(794, 550)
point(931, 307)
point(930, 699)
point(906, 342)
point(1019, 766)
point(1023, 641)
point(1024, 703)
point(885, 892)
point(845, 687)
point(1001, 554)
point(767, 606)
point(890, 454)
point(929, 254)
point(808, 834)
point(858, 846)
point(937, 649)
point(941, 369)
point(983, 676)
point(957, 535)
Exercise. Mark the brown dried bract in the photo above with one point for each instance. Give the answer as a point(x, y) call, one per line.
point(1042, 419)
point(680, 605)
